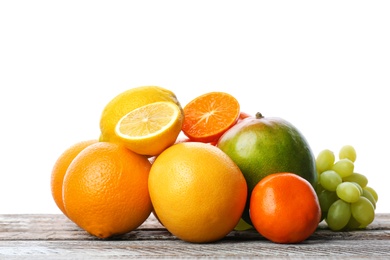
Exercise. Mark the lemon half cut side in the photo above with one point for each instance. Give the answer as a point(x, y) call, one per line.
point(150, 129)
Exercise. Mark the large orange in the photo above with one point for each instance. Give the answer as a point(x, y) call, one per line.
point(105, 190)
point(60, 167)
point(284, 208)
point(197, 191)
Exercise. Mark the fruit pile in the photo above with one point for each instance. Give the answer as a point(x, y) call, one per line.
point(347, 203)
point(207, 183)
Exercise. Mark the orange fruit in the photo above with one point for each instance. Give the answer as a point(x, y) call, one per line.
point(264, 145)
point(150, 129)
point(197, 191)
point(60, 167)
point(208, 116)
point(127, 101)
point(105, 190)
point(284, 208)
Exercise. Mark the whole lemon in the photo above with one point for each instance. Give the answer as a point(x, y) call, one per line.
point(126, 102)
point(261, 146)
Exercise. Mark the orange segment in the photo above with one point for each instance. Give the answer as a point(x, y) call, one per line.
point(208, 116)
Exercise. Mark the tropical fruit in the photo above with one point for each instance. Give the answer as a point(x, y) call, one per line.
point(284, 208)
point(60, 167)
point(208, 116)
point(127, 101)
point(197, 191)
point(105, 190)
point(150, 129)
point(261, 146)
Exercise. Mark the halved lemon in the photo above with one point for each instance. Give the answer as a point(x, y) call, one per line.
point(150, 129)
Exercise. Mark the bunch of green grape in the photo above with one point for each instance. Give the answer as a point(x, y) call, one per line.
point(347, 203)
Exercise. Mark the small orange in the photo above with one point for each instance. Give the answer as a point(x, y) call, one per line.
point(197, 191)
point(208, 116)
point(105, 190)
point(284, 208)
point(60, 167)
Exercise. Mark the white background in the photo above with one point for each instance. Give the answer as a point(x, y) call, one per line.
point(322, 65)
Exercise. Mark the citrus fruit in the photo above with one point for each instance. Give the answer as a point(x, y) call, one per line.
point(60, 167)
point(261, 146)
point(284, 208)
point(149, 129)
point(105, 190)
point(208, 116)
point(197, 191)
point(127, 101)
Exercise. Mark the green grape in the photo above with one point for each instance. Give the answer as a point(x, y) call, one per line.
point(325, 160)
point(358, 178)
point(348, 152)
point(369, 196)
point(326, 199)
point(319, 188)
point(363, 211)
point(358, 186)
point(352, 224)
point(338, 215)
point(330, 180)
point(344, 167)
point(242, 225)
point(348, 192)
point(372, 191)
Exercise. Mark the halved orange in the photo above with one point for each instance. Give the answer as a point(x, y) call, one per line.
point(208, 116)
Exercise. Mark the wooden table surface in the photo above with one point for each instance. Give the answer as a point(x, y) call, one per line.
point(56, 237)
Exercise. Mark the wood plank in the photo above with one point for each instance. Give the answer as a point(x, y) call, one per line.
point(58, 227)
point(56, 237)
point(370, 249)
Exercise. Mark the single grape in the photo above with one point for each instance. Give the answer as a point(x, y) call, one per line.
point(319, 188)
point(353, 224)
point(372, 191)
point(326, 199)
point(242, 225)
point(363, 211)
point(348, 152)
point(325, 160)
point(348, 192)
point(330, 180)
point(358, 186)
point(369, 196)
point(338, 215)
point(344, 167)
point(358, 178)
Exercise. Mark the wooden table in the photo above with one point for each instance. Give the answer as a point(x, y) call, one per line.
point(56, 237)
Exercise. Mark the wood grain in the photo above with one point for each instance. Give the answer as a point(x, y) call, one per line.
point(56, 237)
